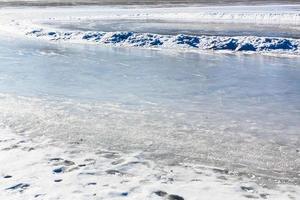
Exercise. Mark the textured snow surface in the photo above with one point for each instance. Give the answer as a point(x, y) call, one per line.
point(131, 39)
point(43, 169)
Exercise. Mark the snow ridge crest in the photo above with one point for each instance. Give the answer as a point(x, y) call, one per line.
point(181, 41)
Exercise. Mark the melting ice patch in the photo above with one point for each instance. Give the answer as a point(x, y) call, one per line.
point(181, 41)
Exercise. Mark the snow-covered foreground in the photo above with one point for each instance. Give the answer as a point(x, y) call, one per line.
point(44, 23)
point(43, 169)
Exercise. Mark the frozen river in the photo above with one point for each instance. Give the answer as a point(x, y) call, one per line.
point(236, 111)
point(166, 27)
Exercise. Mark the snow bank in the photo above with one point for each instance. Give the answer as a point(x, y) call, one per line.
point(149, 40)
point(41, 23)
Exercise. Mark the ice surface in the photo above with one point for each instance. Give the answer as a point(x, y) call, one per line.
point(123, 122)
point(241, 112)
point(171, 27)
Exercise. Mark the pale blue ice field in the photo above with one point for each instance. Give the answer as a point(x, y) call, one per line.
point(238, 111)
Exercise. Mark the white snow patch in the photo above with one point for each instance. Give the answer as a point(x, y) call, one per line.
point(39, 168)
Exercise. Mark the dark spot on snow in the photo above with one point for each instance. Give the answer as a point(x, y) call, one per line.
point(175, 197)
point(117, 162)
point(221, 171)
point(10, 148)
point(264, 195)
point(35, 31)
point(114, 172)
point(160, 193)
point(58, 170)
point(124, 193)
point(7, 176)
point(57, 180)
point(55, 159)
point(196, 180)
point(31, 149)
point(87, 173)
point(243, 174)
point(60, 161)
point(124, 181)
point(92, 183)
point(68, 163)
point(247, 189)
point(21, 186)
point(38, 195)
point(51, 33)
point(81, 165)
point(103, 152)
point(251, 196)
point(28, 149)
point(68, 33)
point(111, 155)
point(171, 179)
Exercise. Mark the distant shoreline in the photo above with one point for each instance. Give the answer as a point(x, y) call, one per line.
point(13, 3)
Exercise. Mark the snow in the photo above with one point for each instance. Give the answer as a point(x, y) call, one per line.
point(42, 24)
point(40, 168)
point(130, 39)
point(269, 14)
point(240, 110)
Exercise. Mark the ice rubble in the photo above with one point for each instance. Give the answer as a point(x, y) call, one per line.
point(181, 41)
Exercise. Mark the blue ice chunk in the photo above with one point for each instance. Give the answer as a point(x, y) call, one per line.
point(119, 37)
point(187, 39)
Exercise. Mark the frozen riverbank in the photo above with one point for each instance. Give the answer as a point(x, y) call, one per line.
point(57, 24)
